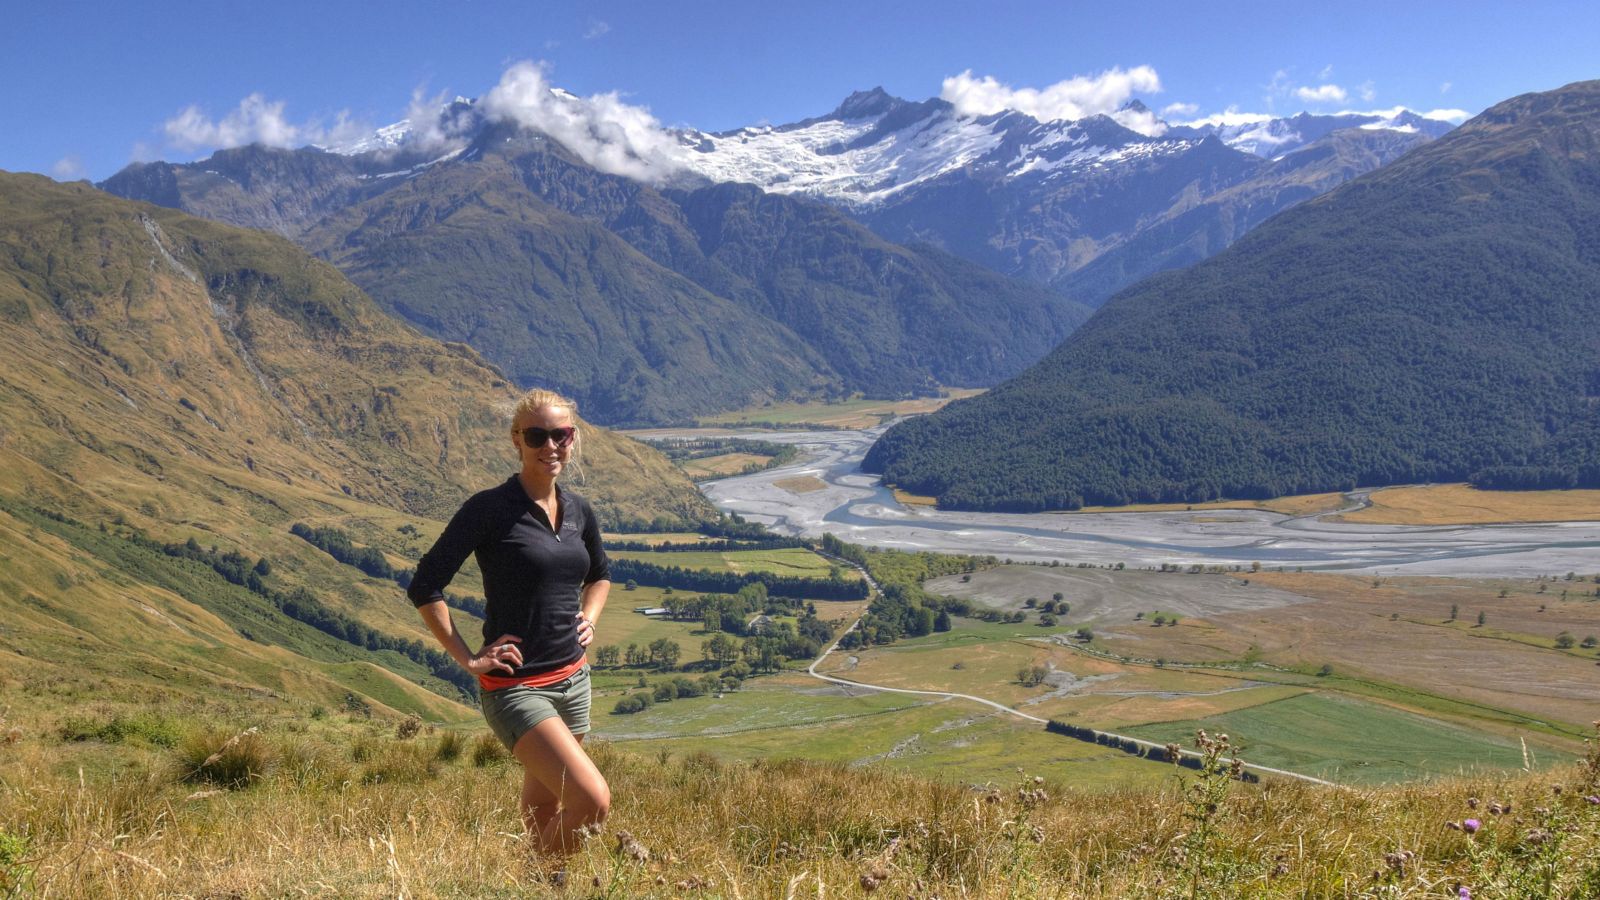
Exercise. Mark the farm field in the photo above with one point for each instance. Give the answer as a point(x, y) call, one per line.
point(722, 465)
point(1289, 645)
point(850, 414)
point(791, 716)
point(1460, 504)
point(789, 561)
point(657, 538)
point(1352, 741)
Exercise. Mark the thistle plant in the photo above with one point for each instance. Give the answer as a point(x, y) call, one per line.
point(1515, 856)
point(1204, 810)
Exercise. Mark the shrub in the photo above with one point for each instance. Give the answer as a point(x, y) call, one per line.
point(139, 728)
point(400, 763)
point(15, 877)
point(409, 727)
point(231, 762)
point(450, 746)
point(308, 763)
point(487, 750)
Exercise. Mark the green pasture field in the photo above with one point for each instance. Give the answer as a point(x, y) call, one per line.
point(947, 739)
point(659, 537)
point(1119, 712)
point(792, 561)
point(1351, 741)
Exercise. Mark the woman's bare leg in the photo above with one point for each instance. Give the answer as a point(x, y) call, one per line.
point(562, 790)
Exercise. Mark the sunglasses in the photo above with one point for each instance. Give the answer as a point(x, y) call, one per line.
point(535, 437)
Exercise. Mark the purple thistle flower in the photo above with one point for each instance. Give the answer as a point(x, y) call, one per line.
point(1463, 893)
point(1471, 826)
point(1593, 798)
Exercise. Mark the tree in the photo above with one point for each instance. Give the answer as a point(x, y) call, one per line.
point(1048, 620)
point(1482, 618)
point(721, 648)
point(1031, 676)
point(1454, 611)
point(713, 618)
point(1084, 634)
point(1058, 596)
point(1564, 641)
point(634, 656)
point(630, 585)
point(941, 622)
point(1031, 602)
point(606, 657)
point(664, 652)
point(1325, 671)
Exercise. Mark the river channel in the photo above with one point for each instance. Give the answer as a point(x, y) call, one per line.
point(838, 498)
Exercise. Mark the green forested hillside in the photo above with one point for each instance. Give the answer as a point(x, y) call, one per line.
point(174, 395)
point(651, 306)
point(1428, 321)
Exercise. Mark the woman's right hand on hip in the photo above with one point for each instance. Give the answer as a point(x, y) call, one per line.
point(499, 655)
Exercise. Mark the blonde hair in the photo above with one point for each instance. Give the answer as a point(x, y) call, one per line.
point(539, 398)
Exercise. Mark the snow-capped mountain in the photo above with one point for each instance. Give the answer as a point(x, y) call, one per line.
point(1274, 138)
point(876, 147)
point(1042, 200)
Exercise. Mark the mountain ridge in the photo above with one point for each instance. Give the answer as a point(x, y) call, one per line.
point(1419, 323)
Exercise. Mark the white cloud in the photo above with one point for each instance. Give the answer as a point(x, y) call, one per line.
point(596, 29)
point(1445, 87)
point(1456, 116)
point(1143, 121)
point(256, 120)
point(1180, 110)
point(1230, 117)
point(67, 168)
point(1326, 74)
point(1327, 93)
point(1366, 91)
point(430, 129)
point(605, 132)
point(1073, 98)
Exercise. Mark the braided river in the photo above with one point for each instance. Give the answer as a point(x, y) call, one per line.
point(825, 491)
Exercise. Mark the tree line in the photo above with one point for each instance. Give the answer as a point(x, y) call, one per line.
point(707, 581)
point(372, 562)
point(298, 604)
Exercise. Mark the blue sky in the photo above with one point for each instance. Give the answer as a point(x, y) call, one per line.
point(93, 84)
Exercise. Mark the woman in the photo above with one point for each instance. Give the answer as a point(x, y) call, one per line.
point(545, 579)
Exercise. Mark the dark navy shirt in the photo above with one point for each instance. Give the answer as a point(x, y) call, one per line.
point(533, 573)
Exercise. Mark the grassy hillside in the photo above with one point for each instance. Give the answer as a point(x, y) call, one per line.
point(167, 380)
point(345, 806)
point(1429, 320)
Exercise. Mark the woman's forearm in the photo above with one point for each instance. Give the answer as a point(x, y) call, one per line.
point(593, 600)
point(437, 617)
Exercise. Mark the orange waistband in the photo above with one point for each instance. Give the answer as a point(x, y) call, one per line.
point(538, 679)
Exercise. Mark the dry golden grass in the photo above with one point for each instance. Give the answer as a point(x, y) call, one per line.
point(851, 414)
point(1399, 632)
point(1459, 504)
point(910, 499)
point(360, 813)
point(802, 484)
point(1298, 505)
point(719, 466)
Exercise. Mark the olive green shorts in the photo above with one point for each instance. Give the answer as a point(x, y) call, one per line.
point(512, 712)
